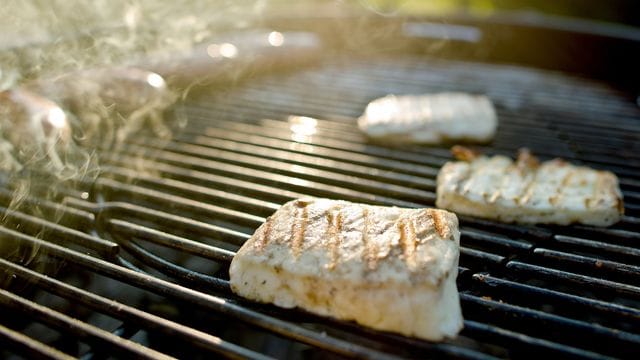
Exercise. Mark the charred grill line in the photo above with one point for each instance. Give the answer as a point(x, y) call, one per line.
point(334, 230)
point(265, 236)
point(407, 241)
point(369, 249)
point(527, 191)
point(299, 227)
point(438, 223)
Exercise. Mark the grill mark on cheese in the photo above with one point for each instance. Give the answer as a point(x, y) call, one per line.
point(270, 280)
point(503, 184)
point(459, 182)
point(527, 192)
point(466, 187)
point(334, 229)
point(464, 183)
point(567, 178)
point(369, 249)
point(600, 177)
point(366, 247)
point(496, 195)
point(298, 227)
point(457, 186)
point(413, 242)
point(294, 226)
point(469, 179)
point(264, 238)
point(407, 241)
point(554, 191)
point(438, 223)
point(555, 199)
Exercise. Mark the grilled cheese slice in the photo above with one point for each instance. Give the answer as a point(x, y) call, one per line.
point(387, 268)
point(431, 119)
point(524, 191)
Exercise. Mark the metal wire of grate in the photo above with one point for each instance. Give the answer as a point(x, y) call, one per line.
point(170, 231)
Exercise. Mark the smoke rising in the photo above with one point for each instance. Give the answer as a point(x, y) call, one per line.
point(45, 38)
point(68, 89)
point(81, 57)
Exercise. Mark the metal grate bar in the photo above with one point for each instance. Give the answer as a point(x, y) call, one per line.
point(486, 239)
point(267, 193)
point(589, 282)
point(130, 314)
point(308, 187)
point(493, 334)
point(480, 256)
point(279, 139)
point(205, 301)
point(174, 270)
point(321, 145)
point(304, 171)
point(112, 189)
point(473, 255)
point(583, 330)
point(360, 92)
point(283, 132)
point(551, 290)
point(599, 267)
point(599, 247)
point(193, 191)
point(496, 241)
point(114, 227)
point(539, 295)
point(580, 136)
point(344, 107)
point(26, 345)
point(365, 85)
point(630, 237)
point(472, 235)
point(345, 165)
point(86, 332)
point(131, 211)
point(33, 225)
point(534, 233)
point(415, 72)
point(63, 215)
point(101, 217)
point(201, 281)
point(507, 144)
point(130, 230)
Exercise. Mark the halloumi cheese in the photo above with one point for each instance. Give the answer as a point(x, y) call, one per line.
point(387, 268)
point(525, 191)
point(431, 118)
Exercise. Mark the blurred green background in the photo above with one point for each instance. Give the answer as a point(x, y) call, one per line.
point(39, 37)
point(36, 19)
point(618, 11)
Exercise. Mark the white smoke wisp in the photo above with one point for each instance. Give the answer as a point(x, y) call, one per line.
point(109, 104)
point(45, 38)
point(75, 54)
point(38, 158)
point(79, 54)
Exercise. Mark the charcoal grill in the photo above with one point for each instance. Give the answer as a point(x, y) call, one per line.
point(136, 263)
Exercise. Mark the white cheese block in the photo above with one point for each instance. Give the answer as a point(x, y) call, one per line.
point(431, 119)
point(387, 268)
point(524, 191)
